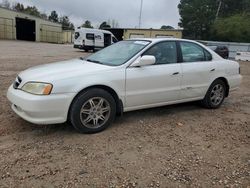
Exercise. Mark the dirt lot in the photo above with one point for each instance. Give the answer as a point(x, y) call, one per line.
point(175, 146)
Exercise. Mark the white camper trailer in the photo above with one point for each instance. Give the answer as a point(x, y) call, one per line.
point(92, 39)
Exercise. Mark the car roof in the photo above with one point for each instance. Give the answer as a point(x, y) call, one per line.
point(163, 39)
point(155, 40)
point(91, 30)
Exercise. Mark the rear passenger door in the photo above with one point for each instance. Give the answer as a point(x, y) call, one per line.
point(198, 70)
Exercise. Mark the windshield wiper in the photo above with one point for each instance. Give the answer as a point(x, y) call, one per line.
point(93, 61)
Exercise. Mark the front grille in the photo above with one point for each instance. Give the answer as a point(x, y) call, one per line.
point(17, 82)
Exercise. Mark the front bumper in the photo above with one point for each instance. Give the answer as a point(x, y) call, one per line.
point(38, 109)
point(78, 46)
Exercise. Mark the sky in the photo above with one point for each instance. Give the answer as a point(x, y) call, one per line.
point(155, 13)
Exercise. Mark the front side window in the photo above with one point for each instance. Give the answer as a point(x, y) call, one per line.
point(192, 52)
point(164, 52)
point(118, 53)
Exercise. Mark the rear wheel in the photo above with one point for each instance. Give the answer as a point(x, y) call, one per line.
point(92, 111)
point(215, 95)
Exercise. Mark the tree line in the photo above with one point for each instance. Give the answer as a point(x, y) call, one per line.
point(54, 17)
point(33, 10)
point(224, 20)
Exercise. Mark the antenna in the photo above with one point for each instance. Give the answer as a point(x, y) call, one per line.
point(140, 14)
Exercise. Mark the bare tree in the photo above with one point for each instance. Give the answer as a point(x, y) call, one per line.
point(5, 4)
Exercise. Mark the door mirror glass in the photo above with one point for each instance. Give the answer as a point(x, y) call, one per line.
point(144, 60)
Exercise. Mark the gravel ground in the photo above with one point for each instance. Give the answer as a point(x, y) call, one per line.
point(174, 146)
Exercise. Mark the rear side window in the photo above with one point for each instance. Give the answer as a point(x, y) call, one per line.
point(90, 36)
point(192, 52)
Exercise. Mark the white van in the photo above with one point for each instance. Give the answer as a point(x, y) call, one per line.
point(92, 39)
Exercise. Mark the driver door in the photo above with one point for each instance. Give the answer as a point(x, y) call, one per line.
point(155, 84)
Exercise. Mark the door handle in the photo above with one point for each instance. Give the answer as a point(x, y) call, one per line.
point(175, 73)
point(212, 70)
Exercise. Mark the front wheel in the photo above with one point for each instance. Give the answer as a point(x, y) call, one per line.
point(92, 111)
point(215, 95)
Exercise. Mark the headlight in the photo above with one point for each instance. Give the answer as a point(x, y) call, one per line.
point(37, 88)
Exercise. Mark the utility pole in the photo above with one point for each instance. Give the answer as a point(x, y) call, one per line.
point(140, 14)
point(218, 10)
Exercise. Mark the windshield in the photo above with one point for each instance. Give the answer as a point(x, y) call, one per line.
point(118, 53)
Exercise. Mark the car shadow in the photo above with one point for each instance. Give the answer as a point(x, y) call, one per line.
point(131, 117)
point(174, 109)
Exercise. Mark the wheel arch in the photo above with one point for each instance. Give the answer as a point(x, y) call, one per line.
point(226, 83)
point(118, 101)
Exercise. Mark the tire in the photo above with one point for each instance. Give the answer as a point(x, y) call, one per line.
point(92, 111)
point(215, 95)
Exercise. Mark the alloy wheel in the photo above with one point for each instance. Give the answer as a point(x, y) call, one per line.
point(217, 94)
point(95, 112)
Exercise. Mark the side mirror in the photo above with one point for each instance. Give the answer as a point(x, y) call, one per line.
point(144, 60)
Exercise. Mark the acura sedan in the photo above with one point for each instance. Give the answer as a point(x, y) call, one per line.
point(130, 75)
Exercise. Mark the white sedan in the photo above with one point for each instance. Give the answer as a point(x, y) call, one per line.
point(129, 75)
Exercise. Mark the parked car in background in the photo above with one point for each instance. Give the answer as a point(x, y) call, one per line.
point(221, 50)
point(92, 39)
point(129, 75)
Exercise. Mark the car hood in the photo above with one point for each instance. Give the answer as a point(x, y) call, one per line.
point(60, 70)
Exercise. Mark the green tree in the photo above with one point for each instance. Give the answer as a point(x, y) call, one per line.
point(104, 25)
point(167, 27)
point(66, 24)
point(197, 17)
point(44, 16)
point(232, 7)
point(18, 7)
point(32, 10)
point(87, 24)
point(235, 28)
point(53, 16)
